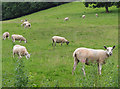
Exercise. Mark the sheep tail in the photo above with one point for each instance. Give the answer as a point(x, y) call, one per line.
point(74, 54)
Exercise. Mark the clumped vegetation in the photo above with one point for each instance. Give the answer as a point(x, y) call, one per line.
point(21, 77)
point(52, 66)
point(102, 4)
point(12, 10)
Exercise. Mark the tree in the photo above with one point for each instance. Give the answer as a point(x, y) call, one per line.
point(12, 10)
point(101, 4)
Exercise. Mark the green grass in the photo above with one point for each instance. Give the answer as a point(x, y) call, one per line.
point(50, 66)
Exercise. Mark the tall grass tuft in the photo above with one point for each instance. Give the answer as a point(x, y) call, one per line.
point(21, 78)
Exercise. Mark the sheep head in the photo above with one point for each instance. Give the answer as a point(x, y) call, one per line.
point(109, 50)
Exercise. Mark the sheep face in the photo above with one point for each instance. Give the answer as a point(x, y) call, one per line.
point(109, 50)
point(67, 42)
point(27, 56)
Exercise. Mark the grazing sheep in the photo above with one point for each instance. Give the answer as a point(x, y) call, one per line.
point(18, 37)
point(83, 16)
point(5, 35)
point(86, 55)
point(96, 15)
point(20, 51)
point(65, 19)
point(58, 39)
point(27, 25)
point(22, 21)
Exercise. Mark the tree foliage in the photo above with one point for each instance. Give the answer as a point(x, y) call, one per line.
point(12, 10)
point(101, 4)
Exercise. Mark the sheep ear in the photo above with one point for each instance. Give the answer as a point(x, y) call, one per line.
point(105, 47)
point(113, 46)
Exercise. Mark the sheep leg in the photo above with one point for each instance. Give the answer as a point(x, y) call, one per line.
point(4, 38)
point(53, 42)
point(99, 68)
point(61, 43)
point(13, 40)
point(83, 70)
point(75, 64)
point(20, 56)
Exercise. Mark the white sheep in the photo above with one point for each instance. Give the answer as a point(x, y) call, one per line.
point(22, 21)
point(96, 15)
point(20, 51)
point(27, 25)
point(65, 19)
point(18, 37)
point(5, 35)
point(87, 56)
point(58, 39)
point(83, 16)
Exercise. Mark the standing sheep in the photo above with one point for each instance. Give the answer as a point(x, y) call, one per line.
point(96, 15)
point(65, 19)
point(27, 25)
point(58, 39)
point(18, 37)
point(83, 16)
point(5, 35)
point(20, 51)
point(86, 55)
point(24, 23)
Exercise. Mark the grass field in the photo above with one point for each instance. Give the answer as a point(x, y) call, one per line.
point(52, 66)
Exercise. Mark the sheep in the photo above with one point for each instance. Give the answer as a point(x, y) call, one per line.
point(65, 19)
point(5, 35)
point(18, 37)
point(86, 55)
point(96, 15)
point(22, 21)
point(20, 51)
point(83, 16)
point(27, 25)
point(58, 39)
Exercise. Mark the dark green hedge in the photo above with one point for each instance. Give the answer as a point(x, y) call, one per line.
point(12, 10)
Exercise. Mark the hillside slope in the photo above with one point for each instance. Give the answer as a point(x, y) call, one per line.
point(52, 66)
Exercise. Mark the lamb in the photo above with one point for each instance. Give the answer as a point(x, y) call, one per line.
point(22, 21)
point(83, 16)
point(20, 51)
point(86, 55)
point(27, 25)
point(65, 19)
point(96, 15)
point(5, 35)
point(58, 39)
point(18, 37)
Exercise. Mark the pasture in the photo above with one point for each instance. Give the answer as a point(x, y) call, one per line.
point(52, 66)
